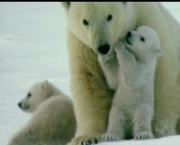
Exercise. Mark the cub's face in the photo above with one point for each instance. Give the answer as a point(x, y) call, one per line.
point(144, 42)
point(34, 96)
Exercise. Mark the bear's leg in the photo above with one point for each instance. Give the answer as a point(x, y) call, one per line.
point(91, 95)
point(115, 131)
point(142, 122)
point(117, 123)
point(23, 137)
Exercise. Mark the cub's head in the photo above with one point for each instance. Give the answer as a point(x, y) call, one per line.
point(98, 25)
point(144, 42)
point(34, 96)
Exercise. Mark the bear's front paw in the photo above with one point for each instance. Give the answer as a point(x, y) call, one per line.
point(110, 137)
point(90, 141)
point(144, 135)
point(85, 140)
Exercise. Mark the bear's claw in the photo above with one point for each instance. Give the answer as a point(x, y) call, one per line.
point(143, 136)
point(110, 137)
point(90, 141)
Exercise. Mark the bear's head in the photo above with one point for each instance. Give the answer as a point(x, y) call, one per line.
point(144, 42)
point(99, 25)
point(38, 92)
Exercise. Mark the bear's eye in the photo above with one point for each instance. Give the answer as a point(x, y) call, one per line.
point(85, 22)
point(142, 39)
point(109, 18)
point(29, 95)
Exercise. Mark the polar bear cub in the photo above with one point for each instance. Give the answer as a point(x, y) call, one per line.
point(37, 94)
point(53, 121)
point(133, 103)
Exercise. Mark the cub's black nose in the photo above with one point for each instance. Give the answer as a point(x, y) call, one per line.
point(129, 34)
point(103, 49)
point(19, 104)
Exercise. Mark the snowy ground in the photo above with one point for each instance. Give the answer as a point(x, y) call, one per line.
point(33, 48)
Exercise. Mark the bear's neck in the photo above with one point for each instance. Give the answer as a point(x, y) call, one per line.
point(53, 91)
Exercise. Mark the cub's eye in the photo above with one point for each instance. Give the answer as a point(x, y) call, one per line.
point(142, 39)
point(109, 18)
point(85, 22)
point(29, 95)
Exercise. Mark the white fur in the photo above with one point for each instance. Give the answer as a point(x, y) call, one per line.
point(37, 93)
point(110, 62)
point(92, 96)
point(133, 103)
point(53, 121)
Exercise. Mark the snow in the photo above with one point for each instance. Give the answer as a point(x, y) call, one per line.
point(33, 48)
point(172, 140)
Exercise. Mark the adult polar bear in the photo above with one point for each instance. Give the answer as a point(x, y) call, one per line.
point(95, 28)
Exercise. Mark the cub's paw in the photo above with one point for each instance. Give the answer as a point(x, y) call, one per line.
point(119, 46)
point(143, 136)
point(109, 137)
point(85, 140)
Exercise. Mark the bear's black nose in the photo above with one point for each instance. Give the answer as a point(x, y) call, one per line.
point(19, 104)
point(129, 34)
point(103, 49)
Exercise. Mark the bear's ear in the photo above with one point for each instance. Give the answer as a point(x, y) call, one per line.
point(66, 5)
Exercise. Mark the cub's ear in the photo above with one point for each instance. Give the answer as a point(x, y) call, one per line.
point(44, 84)
point(66, 5)
point(159, 51)
point(45, 87)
